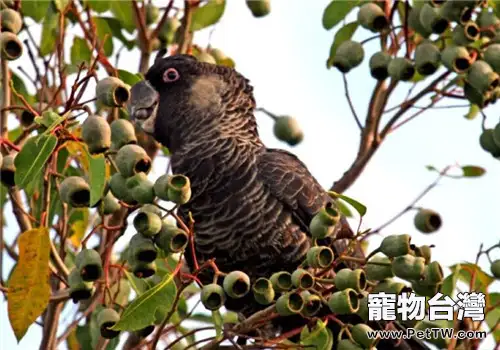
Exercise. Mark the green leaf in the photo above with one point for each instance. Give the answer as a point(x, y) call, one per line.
point(473, 112)
point(336, 11)
point(431, 168)
point(141, 311)
point(343, 34)
point(319, 338)
point(84, 337)
point(14, 133)
point(166, 151)
point(472, 171)
point(450, 282)
point(61, 4)
point(105, 34)
point(78, 222)
point(139, 285)
point(99, 6)
point(344, 209)
point(116, 29)
point(20, 87)
point(128, 78)
point(218, 323)
point(493, 316)
point(360, 208)
point(124, 14)
point(48, 36)
point(465, 270)
point(208, 14)
point(202, 318)
point(97, 177)
point(80, 51)
point(33, 156)
point(35, 9)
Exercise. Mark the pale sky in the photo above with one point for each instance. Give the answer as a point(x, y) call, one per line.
point(284, 57)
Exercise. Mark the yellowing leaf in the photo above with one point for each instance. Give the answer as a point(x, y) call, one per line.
point(29, 289)
point(78, 222)
point(78, 150)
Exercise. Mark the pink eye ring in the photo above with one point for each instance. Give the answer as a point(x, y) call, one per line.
point(171, 75)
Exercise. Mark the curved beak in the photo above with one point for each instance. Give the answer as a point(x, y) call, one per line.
point(143, 105)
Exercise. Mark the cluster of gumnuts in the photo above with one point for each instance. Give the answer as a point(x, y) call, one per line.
point(467, 42)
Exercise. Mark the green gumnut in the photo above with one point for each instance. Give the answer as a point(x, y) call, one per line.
point(171, 239)
point(178, 189)
point(287, 129)
point(454, 13)
point(96, 133)
point(427, 58)
point(112, 92)
point(359, 334)
point(492, 56)
point(433, 273)
point(378, 268)
point(142, 249)
point(347, 344)
point(74, 190)
point(435, 338)
point(351, 279)
point(204, 56)
point(391, 287)
point(476, 97)
point(344, 302)
point(465, 34)
point(349, 55)
point(107, 318)
point(395, 245)
point(282, 281)
point(11, 21)
point(147, 223)
point(320, 257)
point(168, 30)
point(378, 65)
point(415, 23)
point(263, 291)
point(482, 77)
point(401, 68)
point(152, 14)
point(144, 332)
point(8, 170)
point(89, 263)
point(425, 252)
point(289, 304)
point(425, 289)
point(456, 58)
point(132, 159)
point(363, 311)
point(236, 284)
point(372, 17)
point(10, 45)
point(302, 279)
point(312, 303)
point(212, 296)
point(151, 208)
point(78, 288)
point(488, 22)
point(408, 267)
point(141, 188)
point(432, 20)
point(259, 8)
point(109, 204)
point(323, 223)
point(487, 142)
point(122, 133)
point(142, 269)
point(118, 187)
point(495, 268)
point(427, 221)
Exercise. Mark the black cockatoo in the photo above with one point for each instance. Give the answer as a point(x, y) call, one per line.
point(252, 205)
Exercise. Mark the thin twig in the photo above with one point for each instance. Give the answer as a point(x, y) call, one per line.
point(349, 101)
